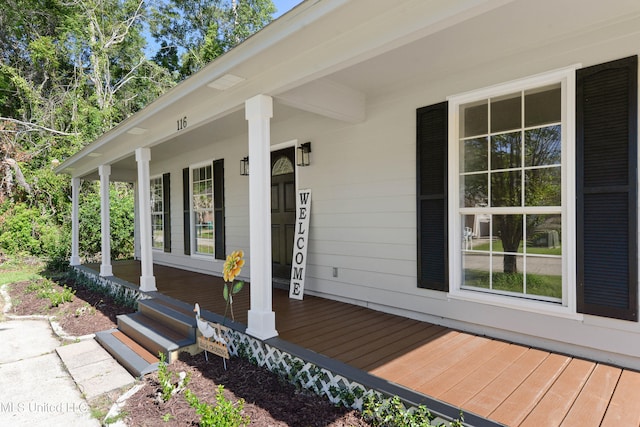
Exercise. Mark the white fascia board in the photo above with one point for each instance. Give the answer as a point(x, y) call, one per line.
point(290, 23)
point(384, 29)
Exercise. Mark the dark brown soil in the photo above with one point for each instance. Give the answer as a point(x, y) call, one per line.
point(269, 400)
point(89, 312)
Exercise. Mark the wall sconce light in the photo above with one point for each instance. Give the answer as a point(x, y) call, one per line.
point(244, 166)
point(303, 154)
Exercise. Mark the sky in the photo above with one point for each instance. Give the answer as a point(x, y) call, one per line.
point(284, 5)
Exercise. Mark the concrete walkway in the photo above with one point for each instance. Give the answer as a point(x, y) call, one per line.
point(45, 383)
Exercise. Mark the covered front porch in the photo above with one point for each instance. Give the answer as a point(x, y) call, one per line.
point(492, 381)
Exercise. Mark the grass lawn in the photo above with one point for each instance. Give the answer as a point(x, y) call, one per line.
point(497, 247)
point(537, 284)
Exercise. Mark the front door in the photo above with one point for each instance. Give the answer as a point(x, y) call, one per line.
point(283, 211)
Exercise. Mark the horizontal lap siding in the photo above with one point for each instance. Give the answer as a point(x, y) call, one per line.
point(363, 208)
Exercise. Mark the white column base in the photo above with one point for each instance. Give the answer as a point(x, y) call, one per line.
point(106, 270)
point(74, 260)
point(262, 324)
point(148, 283)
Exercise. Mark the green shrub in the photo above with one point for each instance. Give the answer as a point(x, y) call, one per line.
point(47, 289)
point(224, 414)
point(392, 413)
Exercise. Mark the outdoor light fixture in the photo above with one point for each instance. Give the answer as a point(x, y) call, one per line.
point(244, 166)
point(303, 154)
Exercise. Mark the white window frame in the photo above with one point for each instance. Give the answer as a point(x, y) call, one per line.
point(154, 213)
point(567, 307)
point(192, 225)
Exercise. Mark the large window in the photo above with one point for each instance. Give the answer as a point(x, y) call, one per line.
point(509, 189)
point(157, 212)
point(202, 209)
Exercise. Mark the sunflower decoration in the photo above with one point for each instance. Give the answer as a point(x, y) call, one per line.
point(232, 267)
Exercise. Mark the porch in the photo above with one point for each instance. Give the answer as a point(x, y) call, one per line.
point(443, 368)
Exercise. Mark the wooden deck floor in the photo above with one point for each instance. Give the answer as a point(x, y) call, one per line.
point(509, 383)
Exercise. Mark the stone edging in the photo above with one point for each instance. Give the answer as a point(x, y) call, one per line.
point(55, 325)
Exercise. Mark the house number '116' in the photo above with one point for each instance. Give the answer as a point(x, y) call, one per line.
point(182, 123)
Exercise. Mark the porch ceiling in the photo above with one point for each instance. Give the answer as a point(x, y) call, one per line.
point(334, 57)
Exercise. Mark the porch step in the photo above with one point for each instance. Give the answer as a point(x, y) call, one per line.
point(171, 315)
point(128, 353)
point(154, 335)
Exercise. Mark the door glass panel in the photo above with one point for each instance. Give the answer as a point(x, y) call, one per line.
point(282, 166)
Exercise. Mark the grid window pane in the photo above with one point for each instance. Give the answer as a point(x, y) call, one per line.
point(506, 113)
point(474, 155)
point(506, 151)
point(542, 106)
point(157, 213)
point(543, 146)
point(474, 119)
point(203, 217)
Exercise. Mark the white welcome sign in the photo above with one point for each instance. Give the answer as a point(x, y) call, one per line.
point(299, 262)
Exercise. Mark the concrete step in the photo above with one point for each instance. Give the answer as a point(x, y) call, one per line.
point(153, 335)
point(136, 359)
point(176, 317)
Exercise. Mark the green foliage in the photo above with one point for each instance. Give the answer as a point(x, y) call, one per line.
point(27, 230)
point(392, 413)
point(47, 289)
point(70, 71)
point(119, 295)
point(224, 414)
point(121, 221)
point(193, 33)
point(165, 378)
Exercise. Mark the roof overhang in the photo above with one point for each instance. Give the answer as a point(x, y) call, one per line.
point(332, 57)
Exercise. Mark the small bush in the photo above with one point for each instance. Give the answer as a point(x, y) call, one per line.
point(224, 414)
point(47, 289)
point(392, 413)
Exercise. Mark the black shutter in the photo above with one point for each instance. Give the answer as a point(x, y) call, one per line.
point(218, 208)
point(186, 210)
point(606, 149)
point(166, 204)
point(431, 175)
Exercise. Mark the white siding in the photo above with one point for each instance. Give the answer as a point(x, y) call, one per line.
point(363, 218)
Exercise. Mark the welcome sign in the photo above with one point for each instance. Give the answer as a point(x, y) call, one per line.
point(299, 262)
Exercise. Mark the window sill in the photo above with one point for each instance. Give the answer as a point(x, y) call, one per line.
point(513, 303)
point(204, 257)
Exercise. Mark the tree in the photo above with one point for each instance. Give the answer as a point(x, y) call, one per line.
point(72, 69)
point(541, 188)
point(192, 33)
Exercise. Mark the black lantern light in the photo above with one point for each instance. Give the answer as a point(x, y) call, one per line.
point(303, 154)
point(244, 166)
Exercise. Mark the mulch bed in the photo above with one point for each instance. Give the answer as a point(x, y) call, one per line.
point(269, 400)
point(89, 312)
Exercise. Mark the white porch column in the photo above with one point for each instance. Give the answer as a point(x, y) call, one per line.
point(105, 228)
point(147, 280)
point(75, 222)
point(261, 318)
point(136, 222)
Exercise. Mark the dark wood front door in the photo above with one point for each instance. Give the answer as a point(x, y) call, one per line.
point(283, 211)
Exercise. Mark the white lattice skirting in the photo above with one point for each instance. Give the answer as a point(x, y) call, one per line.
point(337, 388)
